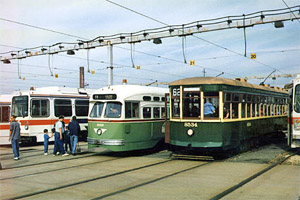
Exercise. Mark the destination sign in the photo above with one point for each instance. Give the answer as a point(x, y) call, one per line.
point(104, 96)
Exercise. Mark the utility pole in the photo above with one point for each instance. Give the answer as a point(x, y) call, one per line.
point(204, 72)
point(110, 60)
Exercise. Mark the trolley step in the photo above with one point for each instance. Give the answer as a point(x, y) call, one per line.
point(191, 157)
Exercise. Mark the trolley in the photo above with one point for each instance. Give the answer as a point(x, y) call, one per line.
point(294, 115)
point(5, 103)
point(241, 115)
point(39, 109)
point(127, 117)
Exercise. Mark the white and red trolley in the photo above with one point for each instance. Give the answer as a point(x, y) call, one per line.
point(39, 109)
point(5, 103)
point(294, 115)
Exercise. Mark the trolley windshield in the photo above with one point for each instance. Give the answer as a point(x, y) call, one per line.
point(297, 99)
point(110, 109)
point(20, 106)
point(97, 110)
point(113, 110)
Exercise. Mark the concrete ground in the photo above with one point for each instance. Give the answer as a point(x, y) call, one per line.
point(101, 174)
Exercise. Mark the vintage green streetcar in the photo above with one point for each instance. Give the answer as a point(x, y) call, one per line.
point(212, 114)
point(126, 117)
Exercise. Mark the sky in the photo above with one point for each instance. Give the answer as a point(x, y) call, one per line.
point(275, 48)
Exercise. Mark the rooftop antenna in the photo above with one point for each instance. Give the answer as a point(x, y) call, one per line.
point(262, 83)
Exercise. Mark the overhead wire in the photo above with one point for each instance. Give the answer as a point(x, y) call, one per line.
point(291, 10)
point(256, 13)
point(41, 28)
point(205, 39)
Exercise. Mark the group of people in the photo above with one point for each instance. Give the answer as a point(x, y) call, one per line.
point(67, 135)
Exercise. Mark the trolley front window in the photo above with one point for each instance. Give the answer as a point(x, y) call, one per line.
point(175, 102)
point(97, 110)
point(63, 107)
point(297, 99)
point(20, 106)
point(81, 107)
point(40, 108)
point(113, 110)
point(191, 103)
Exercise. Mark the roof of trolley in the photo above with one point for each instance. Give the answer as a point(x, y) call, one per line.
point(5, 98)
point(224, 81)
point(125, 91)
point(55, 90)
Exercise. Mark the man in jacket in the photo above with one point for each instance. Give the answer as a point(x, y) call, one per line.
point(74, 131)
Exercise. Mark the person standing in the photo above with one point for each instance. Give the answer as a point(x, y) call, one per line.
point(59, 130)
point(74, 130)
point(14, 136)
point(67, 139)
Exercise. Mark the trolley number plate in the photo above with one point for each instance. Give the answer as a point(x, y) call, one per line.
point(190, 124)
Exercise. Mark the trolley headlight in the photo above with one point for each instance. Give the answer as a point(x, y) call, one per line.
point(297, 124)
point(99, 131)
point(26, 125)
point(190, 132)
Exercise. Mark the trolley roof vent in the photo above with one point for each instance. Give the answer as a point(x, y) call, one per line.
point(241, 79)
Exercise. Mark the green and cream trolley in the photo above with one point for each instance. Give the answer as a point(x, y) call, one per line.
point(241, 114)
point(126, 117)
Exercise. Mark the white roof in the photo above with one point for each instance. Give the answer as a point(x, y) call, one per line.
point(5, 98)
point(125, 91)
point(55, 90)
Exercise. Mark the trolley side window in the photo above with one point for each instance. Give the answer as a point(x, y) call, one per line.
point(81, 107)
point(231, 105)
point(4, 112)
point(156, 112)
point(20, 106)
point(63, 107)
point(147, 112)
point(113, 110)
point(132, 110)
point(191, 102)
point(297, 99)
point(211, 104)
point(40, 108)
point(97, 109)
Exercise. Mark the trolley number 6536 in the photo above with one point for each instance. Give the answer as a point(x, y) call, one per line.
point(190, 124)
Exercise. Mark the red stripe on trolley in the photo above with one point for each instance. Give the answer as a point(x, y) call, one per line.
point(37, 122)
point(294, 118)
point(4, 126)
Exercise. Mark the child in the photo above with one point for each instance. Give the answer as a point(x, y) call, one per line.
point(67, 141)
point(55, 148)
point(46, 141)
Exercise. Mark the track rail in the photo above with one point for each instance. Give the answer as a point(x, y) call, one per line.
point(89, 180)
point(53, 161)
point(247, 180)
point(151, 181)
point(53, 170)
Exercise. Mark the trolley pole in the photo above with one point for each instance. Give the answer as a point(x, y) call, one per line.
point(110, 60)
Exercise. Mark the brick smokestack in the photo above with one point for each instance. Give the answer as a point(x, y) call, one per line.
point(81, 77)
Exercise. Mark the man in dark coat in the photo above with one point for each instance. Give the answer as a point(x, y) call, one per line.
point(74, 131)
